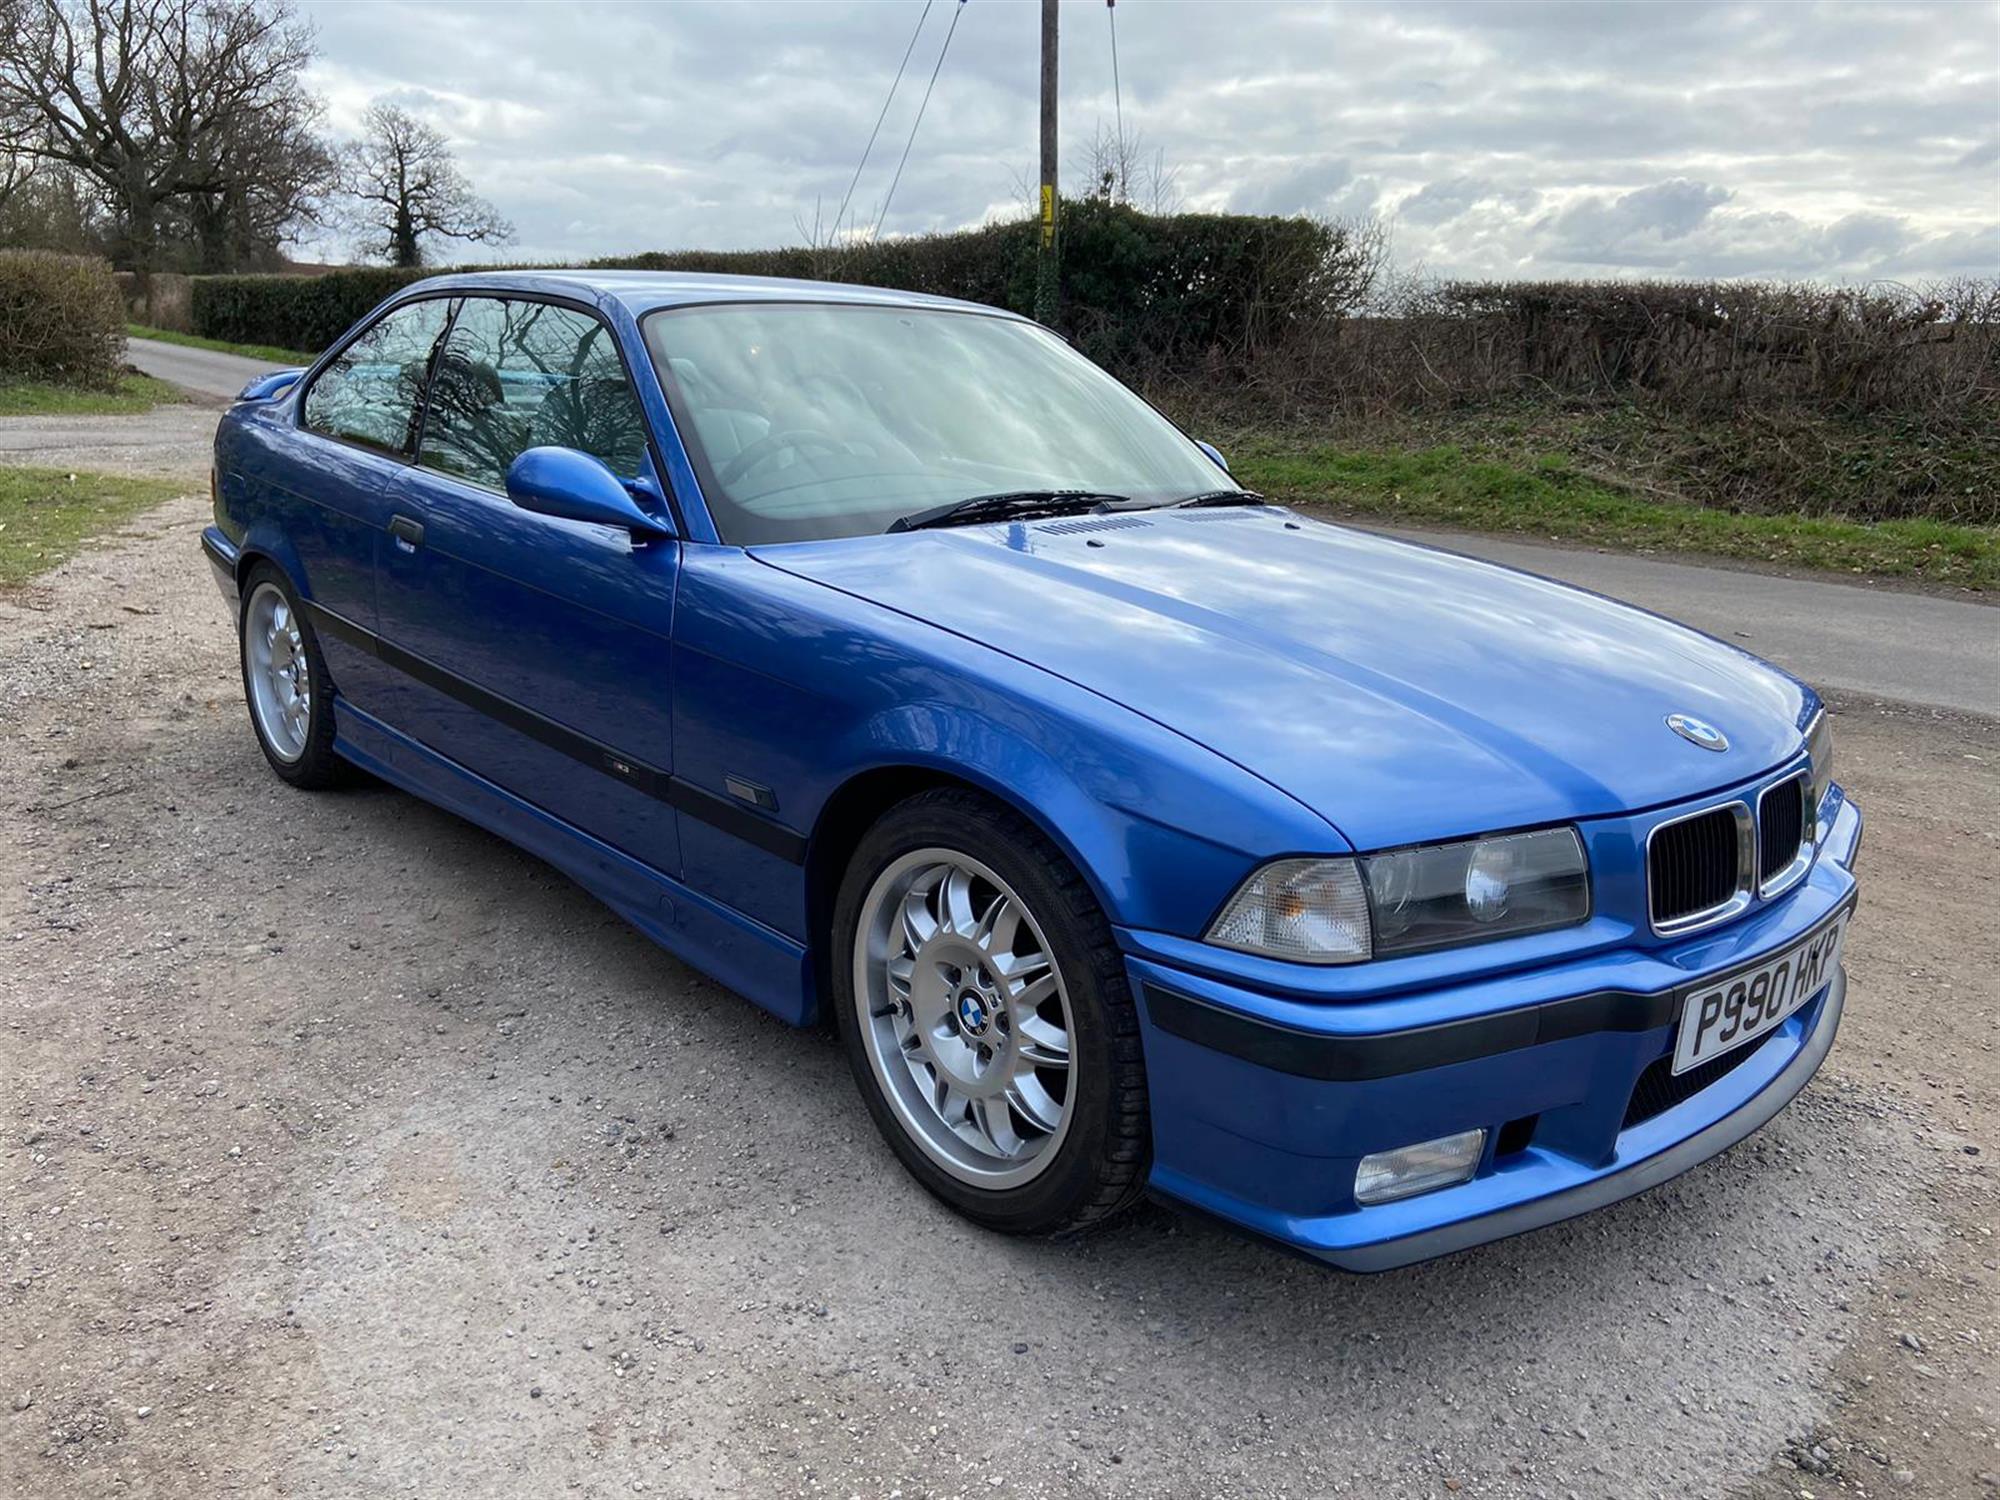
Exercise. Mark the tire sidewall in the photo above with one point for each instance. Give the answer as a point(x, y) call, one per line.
point(964, 825)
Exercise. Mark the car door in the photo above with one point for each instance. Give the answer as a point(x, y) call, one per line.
point(535, 650)
point(325, 478)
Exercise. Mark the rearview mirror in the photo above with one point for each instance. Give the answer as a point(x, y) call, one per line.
point(577, 487)
point(1215, 453)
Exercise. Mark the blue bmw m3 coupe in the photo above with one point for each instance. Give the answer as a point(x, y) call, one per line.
point(885, 659)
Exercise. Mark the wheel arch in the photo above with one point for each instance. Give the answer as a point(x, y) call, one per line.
point(267, 545)
point(856, 805)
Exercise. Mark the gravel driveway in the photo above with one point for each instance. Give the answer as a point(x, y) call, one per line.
point(174, 441)
point(346, 1151)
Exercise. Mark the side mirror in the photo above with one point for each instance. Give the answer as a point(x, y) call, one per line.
point(577, 487)
point(1215, 453)
point(266, 387)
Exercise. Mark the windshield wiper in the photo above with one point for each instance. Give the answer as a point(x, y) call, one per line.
point(1217, 497)
point(1008, 505)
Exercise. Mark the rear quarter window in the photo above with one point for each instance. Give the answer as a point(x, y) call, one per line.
point(369, 392)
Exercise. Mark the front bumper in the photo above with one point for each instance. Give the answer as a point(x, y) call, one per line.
point(1262, 1106)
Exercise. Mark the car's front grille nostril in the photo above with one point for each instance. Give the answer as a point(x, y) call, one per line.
point(1781, 819)
point(1694, 865)
point(1710, 866)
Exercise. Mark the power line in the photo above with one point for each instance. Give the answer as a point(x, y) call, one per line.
point(949, 31)
point(894, 84)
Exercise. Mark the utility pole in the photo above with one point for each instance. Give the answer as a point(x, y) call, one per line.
point(1046, 262)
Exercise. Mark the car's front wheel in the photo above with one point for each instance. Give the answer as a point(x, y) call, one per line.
point(986, 1014)
point(285, 682)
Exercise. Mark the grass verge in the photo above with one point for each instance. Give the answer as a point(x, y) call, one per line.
point(133, 393)
point(264, 352)
point(1548, 498)
point(47, 514)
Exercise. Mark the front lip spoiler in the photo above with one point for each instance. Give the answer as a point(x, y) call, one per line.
point(1754, 1113)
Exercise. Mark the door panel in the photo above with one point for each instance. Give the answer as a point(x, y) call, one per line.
point(540, 646)
point(325, 479)
point(331, 510)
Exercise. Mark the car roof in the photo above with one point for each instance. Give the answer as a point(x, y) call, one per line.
point(645, 291)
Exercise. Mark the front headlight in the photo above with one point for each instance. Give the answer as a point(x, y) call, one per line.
point(1334, 911)
point(1819, 746)
point(1481, 888)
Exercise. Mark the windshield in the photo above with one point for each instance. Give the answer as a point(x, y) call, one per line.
point(810, 420)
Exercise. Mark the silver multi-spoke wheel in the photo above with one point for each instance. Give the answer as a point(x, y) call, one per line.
point(964, 1017)
point(986, 1013)
point(277, 671)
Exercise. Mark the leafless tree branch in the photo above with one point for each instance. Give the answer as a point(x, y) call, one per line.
point(406, 190)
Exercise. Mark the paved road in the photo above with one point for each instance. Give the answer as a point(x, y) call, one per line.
point(1881, 643)
point(1878, 642)
point(200, 370)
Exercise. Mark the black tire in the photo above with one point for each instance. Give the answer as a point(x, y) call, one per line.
point(1099, 1167)
point(315, 766)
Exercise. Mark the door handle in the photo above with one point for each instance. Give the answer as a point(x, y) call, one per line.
point(410, 534)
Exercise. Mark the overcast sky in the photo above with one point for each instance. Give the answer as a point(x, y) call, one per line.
point(1835, 141)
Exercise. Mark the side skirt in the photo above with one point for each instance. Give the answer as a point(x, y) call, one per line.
point(734, 950)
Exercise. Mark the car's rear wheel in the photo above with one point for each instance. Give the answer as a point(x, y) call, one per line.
point(285, 682)
point(987, 1018)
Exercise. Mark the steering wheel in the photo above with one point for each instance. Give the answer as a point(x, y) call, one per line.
point(772, 444)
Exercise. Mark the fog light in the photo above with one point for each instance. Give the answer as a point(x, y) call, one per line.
point(1408, 1170)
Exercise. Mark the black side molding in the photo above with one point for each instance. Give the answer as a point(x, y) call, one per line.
point(732, 817)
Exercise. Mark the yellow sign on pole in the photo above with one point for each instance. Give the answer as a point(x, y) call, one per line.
point(1048, 214)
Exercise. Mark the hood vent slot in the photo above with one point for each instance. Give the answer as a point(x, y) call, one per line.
point(1224, 512)
point(1092, 523)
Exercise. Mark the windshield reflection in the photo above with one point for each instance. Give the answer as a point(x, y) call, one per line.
point(811, 420)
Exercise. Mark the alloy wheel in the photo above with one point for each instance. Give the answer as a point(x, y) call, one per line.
point(964, 1017)
point(278, 671)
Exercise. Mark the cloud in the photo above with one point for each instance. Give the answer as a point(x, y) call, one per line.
point(1308, 186)
point(1638, 228)
point(1441, 202)
point(1500, 138)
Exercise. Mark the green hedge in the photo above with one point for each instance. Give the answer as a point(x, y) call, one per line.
point(289, 312)
point(61, 320)
point(1137, 290)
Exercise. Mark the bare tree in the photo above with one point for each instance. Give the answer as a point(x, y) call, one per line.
point(55, 208)
point(408, 190)
point(17, 165)
point(1123, 169)
point(17, 170)
point(276, 175)
point(140, 96)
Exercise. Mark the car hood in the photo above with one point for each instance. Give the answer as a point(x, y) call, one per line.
point(1401, 692)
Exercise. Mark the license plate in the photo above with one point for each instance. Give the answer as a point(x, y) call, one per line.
point(1736, 1010)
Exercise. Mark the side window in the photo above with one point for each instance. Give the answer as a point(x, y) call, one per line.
point(369, 393)
point(519, 375)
